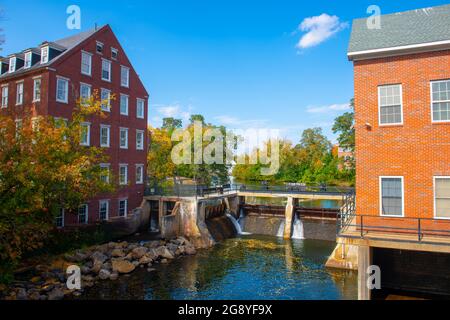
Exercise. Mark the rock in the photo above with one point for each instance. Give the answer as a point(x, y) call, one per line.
point(122, 266)
point(122, 244)
point(138, 252)
point(76, 257)
point(151, 269)
point(117, 253)
point(135, 263)
point(164, 253)
point(190, 250)
point(85, 270)
point(164, 261)
point(87, 279)
point(107, 266)
point(22, 294)
point(98, 256)
point(97, 266)
point(104, 274)
point(145, 260)
point(56, 294)
point(172, 247)
point(152, 244)
point(114, 276)
point(35, 280)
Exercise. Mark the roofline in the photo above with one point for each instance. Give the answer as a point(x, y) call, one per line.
point(400, 50)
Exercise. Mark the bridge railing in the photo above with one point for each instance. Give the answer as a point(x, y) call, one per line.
point(296, 189)
point(181, 190)
point(347, 213)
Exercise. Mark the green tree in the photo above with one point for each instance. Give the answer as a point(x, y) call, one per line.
point(344, 126)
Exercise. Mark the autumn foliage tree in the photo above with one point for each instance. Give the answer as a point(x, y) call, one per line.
point(44, 168)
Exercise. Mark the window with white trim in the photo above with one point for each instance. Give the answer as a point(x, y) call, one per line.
point(139, 139)
point(5, 96)
point(139, 174)
point(124, 76)
point(106, 70)
point(85, 94)
point(83, 213)
point(114, 53)
point(19, 93)
point(19, 125)
point(105, 174)
point(105, 97)
point(123, 137)
point(442, 197)
point(123, 174)
point(59, 220)
point(85, 134)
point(12, 64)
point(37, 89)
point(140, 103)
point(123, 104)
point(86, 63)
point(390, 104)
point(440, 100)
point(123, 207)
point(391, 193)
point(28, 60)
point(99, 47)
point(44, 54)
point(103, 210)
point(62, 90)
point(105, 134)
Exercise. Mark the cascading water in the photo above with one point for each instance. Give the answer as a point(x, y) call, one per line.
point(241, 219)
point(237, 226)
point(280, 233)
point(297, 230)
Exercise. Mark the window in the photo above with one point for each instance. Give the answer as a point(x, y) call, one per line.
point(85, 134)
point(4, 96)
point(12, 64)
point(103, 210)
point(28, 60)
point(123, 174)
point(139, 140)
point(19, 125)
point(139, 174)
point(440, 100)
point(390, 104)
point(44, 54)
point(106, 70)
point(85, 94)
point(123, 138)
point(19, 97)
point(106, 99)
point(140, 108)
point(124, 104)
point(62, 90)
point(442, 197)
point(99, 47)
point(391, 194)
point(83, 214)
point(123, 207)
point(114, 53)
point(86, 63)
point(37, 90)
point(105, 132)
point(35, 124)
point(60, 218)
point(124, 76)
point(104, 177)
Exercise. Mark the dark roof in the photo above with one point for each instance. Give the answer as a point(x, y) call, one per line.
point(65, 44)
point(415, 27)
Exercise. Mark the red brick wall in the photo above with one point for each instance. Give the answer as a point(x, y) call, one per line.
point(416, 150)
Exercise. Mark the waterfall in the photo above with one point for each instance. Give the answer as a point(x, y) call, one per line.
point(298, 232)
point(236, 224)
point(280, 233)
point(241, 219)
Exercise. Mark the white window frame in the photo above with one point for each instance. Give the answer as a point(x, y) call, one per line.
point(85, 103)
point(45, 57)
point(89, 56)
point(62, 214)
point(127, 99)
point(143, 139)
point(105, 126)
point(108, 107)
point(141, 180)
point(123, 183)
point(109, 71)
point(66, 96)
point(125, 84)
point(114, 50)
point(28, 58)
point(401, 105)
point(120, 138)
point(100, 202)
point(381, 196)
point(87, 214)
point(434, 199)
point(88, 143)
point(99, 44)
point(108, 167)
point(12, 64)
point(36, 80)
point(431, 101)
point(125, 200)
point(19, 94)
point(143, 108)
point(5, 97)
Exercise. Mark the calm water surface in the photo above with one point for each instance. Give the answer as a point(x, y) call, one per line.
point(253, 268)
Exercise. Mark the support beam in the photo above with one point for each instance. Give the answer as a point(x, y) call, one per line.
point(364, 262)
point(288, 218)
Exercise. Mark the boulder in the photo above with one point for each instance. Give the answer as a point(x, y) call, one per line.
point(138, 252)
point(117, 253)
point(145, 260)
point(98, 256)
point(76, 257)
point(22, 294)
point(97, 266)
point(56, 294)
point(164, 253)
point(190, 250)
point(104, 274)
point(114, 276)
point(85, 270)
point(122, 266)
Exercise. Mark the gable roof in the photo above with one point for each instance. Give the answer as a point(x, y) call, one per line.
point(400, 33)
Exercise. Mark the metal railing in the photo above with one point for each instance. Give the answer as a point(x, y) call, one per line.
point(181, 190)
point(296, 189)
point(347, 212)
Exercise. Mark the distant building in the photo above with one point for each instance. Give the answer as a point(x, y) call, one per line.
point(50, 78)
point(346, 155)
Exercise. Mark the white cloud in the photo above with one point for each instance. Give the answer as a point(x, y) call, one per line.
point(240, 123)
point(329, 108)
point(174, 110)
point(318, 29)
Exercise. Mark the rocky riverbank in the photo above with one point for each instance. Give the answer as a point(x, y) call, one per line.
point(106, 262)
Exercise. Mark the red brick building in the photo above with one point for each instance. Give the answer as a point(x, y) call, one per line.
point(49, 80)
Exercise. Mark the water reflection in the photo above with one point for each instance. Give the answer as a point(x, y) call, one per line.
point(244, 268)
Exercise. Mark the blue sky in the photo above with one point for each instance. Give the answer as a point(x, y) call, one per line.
point(239, 63)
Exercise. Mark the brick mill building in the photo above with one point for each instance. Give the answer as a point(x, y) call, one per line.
point(49, 79)
point(402, 122)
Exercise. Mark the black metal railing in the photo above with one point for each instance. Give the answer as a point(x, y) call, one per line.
point(181, 190)
point(296, 189)
point(347, 212)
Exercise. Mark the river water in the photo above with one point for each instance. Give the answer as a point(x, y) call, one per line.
point(249, 267)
